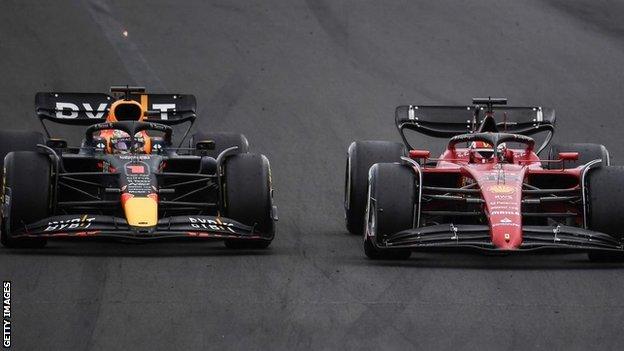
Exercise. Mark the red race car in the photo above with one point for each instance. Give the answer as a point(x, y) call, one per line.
point(489, 190)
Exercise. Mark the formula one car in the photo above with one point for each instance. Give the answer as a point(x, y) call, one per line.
point(489, 190)
point(128, 180)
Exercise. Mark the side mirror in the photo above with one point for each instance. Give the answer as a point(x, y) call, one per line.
point(419, 154)
point(205, 145)
point(56, 143)
point(568, 156)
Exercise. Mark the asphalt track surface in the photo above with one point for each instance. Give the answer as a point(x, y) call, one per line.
point(302, 79)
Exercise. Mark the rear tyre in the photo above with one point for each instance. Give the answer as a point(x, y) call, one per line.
point(27, 192)
point(222, 140)
point(248, 197)
point(587, 152)
point(390, 208)
point(361, 155)
point(606, 205)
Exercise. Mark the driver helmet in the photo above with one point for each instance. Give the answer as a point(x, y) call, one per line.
point(121, 143)
point(482, 149)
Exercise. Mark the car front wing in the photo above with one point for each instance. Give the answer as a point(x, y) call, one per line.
point(97, 226)
point(449, 236)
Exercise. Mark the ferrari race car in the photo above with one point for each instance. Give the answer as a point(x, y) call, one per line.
point(128, 180)
point(489, 190)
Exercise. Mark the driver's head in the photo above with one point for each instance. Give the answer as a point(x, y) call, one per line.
point(482, 149)
point(125, 110)
point(121, 143)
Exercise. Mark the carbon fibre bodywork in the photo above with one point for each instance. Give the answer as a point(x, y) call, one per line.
point(151, 189)
point(178, 227)
point(478, 237)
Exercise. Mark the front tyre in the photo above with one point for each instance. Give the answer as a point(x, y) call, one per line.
point(606, 205)
point(390, 208)
point(360, 157)
point(26, 196)
point(248, 198)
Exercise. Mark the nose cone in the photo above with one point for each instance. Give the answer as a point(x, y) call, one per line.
point(501, 188)
point(509, 238)
point(502, 191)
point(140, 211)
point(503, 203)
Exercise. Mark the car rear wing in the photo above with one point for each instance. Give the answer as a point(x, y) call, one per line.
point(90, 108)
point(449, 121)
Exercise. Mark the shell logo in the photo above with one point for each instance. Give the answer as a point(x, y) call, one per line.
point(501, 189)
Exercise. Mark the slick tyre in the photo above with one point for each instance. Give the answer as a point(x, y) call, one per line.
point(605, 206)
point(222, 140)
point(361, 155)
point(26, 194)
point(248, 197)
point(390, 208)
point(587, 152)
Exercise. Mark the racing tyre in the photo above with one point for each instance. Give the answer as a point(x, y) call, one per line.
point(26, 195)
point(587, 152)
point(360, 157)
point(606, 205)
point(390, 208)
point(222, 140)
point(248, 197)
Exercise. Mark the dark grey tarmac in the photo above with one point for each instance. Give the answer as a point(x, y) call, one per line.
point(302, 79)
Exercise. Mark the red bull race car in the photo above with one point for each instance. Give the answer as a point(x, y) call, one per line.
point(489, 190)
point(128, 179)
